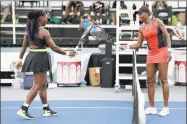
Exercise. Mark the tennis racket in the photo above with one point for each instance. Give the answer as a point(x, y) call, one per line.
point(97, 32)
point(100, 34)
point(85, 33)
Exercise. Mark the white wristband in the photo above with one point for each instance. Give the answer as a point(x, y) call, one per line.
point(169, 49)
point(67, 53)
point(128, 46)
point(19, 60)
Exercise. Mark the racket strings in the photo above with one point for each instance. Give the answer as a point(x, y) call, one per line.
point(98, 33)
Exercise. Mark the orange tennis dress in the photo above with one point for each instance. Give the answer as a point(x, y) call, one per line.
point(157, 46)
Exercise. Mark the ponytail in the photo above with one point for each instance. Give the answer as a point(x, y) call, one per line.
point(32, 25)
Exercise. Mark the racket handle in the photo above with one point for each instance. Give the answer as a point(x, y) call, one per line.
point(76, 48)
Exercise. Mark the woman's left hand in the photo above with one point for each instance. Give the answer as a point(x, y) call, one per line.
point(169, 56)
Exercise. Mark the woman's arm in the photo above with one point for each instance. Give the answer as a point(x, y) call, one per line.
point(139, 43)
point(80, 24)
point(162, 27)
point(52, 45)
point(24, 47)
point(22, 52)
point(136, 45)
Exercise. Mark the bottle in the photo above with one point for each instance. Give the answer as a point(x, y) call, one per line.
point(176, 73)
point(108, 21)
point(65, 74)
point(59, 73)
point(182, 73)
point(78, 74)
point(108, 18)
point(72, 73)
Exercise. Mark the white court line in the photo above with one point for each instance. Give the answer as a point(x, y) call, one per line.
point(99, 100)
point(89, 108)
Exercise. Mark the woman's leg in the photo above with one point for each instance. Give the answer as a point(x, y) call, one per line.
point(163, 73)
point(43, 97)
point(37, 84)
point(75, 11)
point(5, 14)
point(68, 10)
point(180, 34)
point(43, 91)
point(151, 72)
point(113, 18)
point(77, 8)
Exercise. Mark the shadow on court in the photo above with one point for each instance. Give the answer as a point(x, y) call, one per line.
point(89, 112)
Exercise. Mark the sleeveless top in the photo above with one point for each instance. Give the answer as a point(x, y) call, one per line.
point(154, 37)
point(40, 43)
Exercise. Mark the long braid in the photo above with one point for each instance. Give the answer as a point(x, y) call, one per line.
point(33, 24)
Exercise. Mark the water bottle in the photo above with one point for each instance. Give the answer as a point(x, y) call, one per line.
point(108, 21)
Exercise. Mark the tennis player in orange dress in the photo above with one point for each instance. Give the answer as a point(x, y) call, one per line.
point(159, 55)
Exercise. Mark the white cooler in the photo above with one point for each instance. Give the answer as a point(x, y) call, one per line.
point(180, 65)
point(69, 71)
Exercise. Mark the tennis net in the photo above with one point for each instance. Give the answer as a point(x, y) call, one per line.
point(139, 116)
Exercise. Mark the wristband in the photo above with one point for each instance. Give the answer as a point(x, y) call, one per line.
point(128, 46)
point(67, 53)
point(169, 49)
point(19, 60)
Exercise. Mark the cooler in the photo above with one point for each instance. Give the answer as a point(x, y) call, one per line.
point(69, 72)
point(180, 66)
point(28, 80)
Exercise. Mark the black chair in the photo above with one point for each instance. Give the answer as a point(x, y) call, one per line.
point(165, 19)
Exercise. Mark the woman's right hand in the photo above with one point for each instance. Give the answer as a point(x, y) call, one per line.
point(72, 53)
point(19, 65)
point(123, 47)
